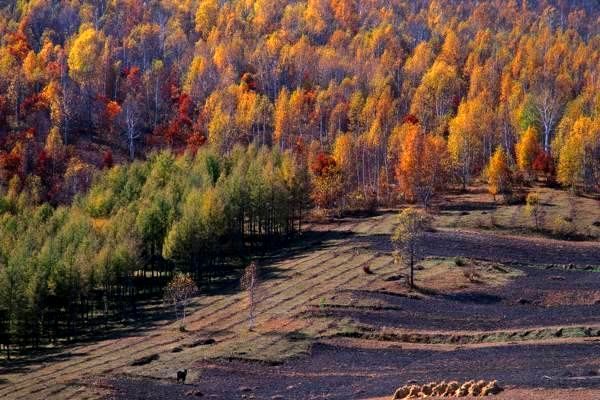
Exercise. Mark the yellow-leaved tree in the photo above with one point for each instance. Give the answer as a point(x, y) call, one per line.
point(282, 118)
point(499, 173)
point(84, 55)
point(466, 139)
point(434, 98)
point(55, 148)
point(206, 16)
point(527, 148)
point(343, 149)
point(579, 159)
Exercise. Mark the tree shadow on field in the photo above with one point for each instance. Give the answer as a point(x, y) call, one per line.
point(272, 273)
point(15, 367)
point(308, 242)
point(468, 206)
point(472, 297)
point(152, 313)
point(21, 366)
point(294, 249)
point(375, 242)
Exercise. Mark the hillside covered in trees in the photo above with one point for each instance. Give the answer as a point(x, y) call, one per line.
point(373, 95)
point(140, 136)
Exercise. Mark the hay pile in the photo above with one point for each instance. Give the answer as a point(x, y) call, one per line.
point(448, 389)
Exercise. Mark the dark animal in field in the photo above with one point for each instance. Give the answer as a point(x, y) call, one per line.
point(367, 270)
point(181, 375)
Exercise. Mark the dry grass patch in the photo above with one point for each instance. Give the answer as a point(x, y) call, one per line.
point(571, 298)
point(434, 275)
point(563, 213)
point(357, 331)
point(453, 274)
point(269, 349)
point(280, 325)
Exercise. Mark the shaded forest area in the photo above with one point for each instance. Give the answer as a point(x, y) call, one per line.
point(70, 270)
point(136, 137)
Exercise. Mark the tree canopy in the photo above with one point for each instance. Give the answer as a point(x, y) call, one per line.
point(126, 78)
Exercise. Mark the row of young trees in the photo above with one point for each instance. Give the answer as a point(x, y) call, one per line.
point(84, 81)
point(65, 270)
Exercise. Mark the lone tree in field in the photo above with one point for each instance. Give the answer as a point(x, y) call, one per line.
point(408, 237)
point(249, 283)
point(535, 209)
point(179, 293)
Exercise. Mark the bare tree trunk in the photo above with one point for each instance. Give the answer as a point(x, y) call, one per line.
point(412, 270)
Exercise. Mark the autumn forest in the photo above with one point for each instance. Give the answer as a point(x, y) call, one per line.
point(142, 137)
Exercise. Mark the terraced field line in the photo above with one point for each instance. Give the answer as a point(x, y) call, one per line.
point(325, 290)
point(216, 301)
point(163, 343)
point(153, 346)
point(293, 307)
point(277, 302)
point(478, 332)
point(320, 294)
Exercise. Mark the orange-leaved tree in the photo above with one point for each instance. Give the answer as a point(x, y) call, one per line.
point(422, 164)
point(327, 180)
point(527, 149)
point(499, 173)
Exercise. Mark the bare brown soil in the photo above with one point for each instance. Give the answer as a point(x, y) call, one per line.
point(336, 372)
point(296, 353)
point(356, 368)
point(500, 247)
